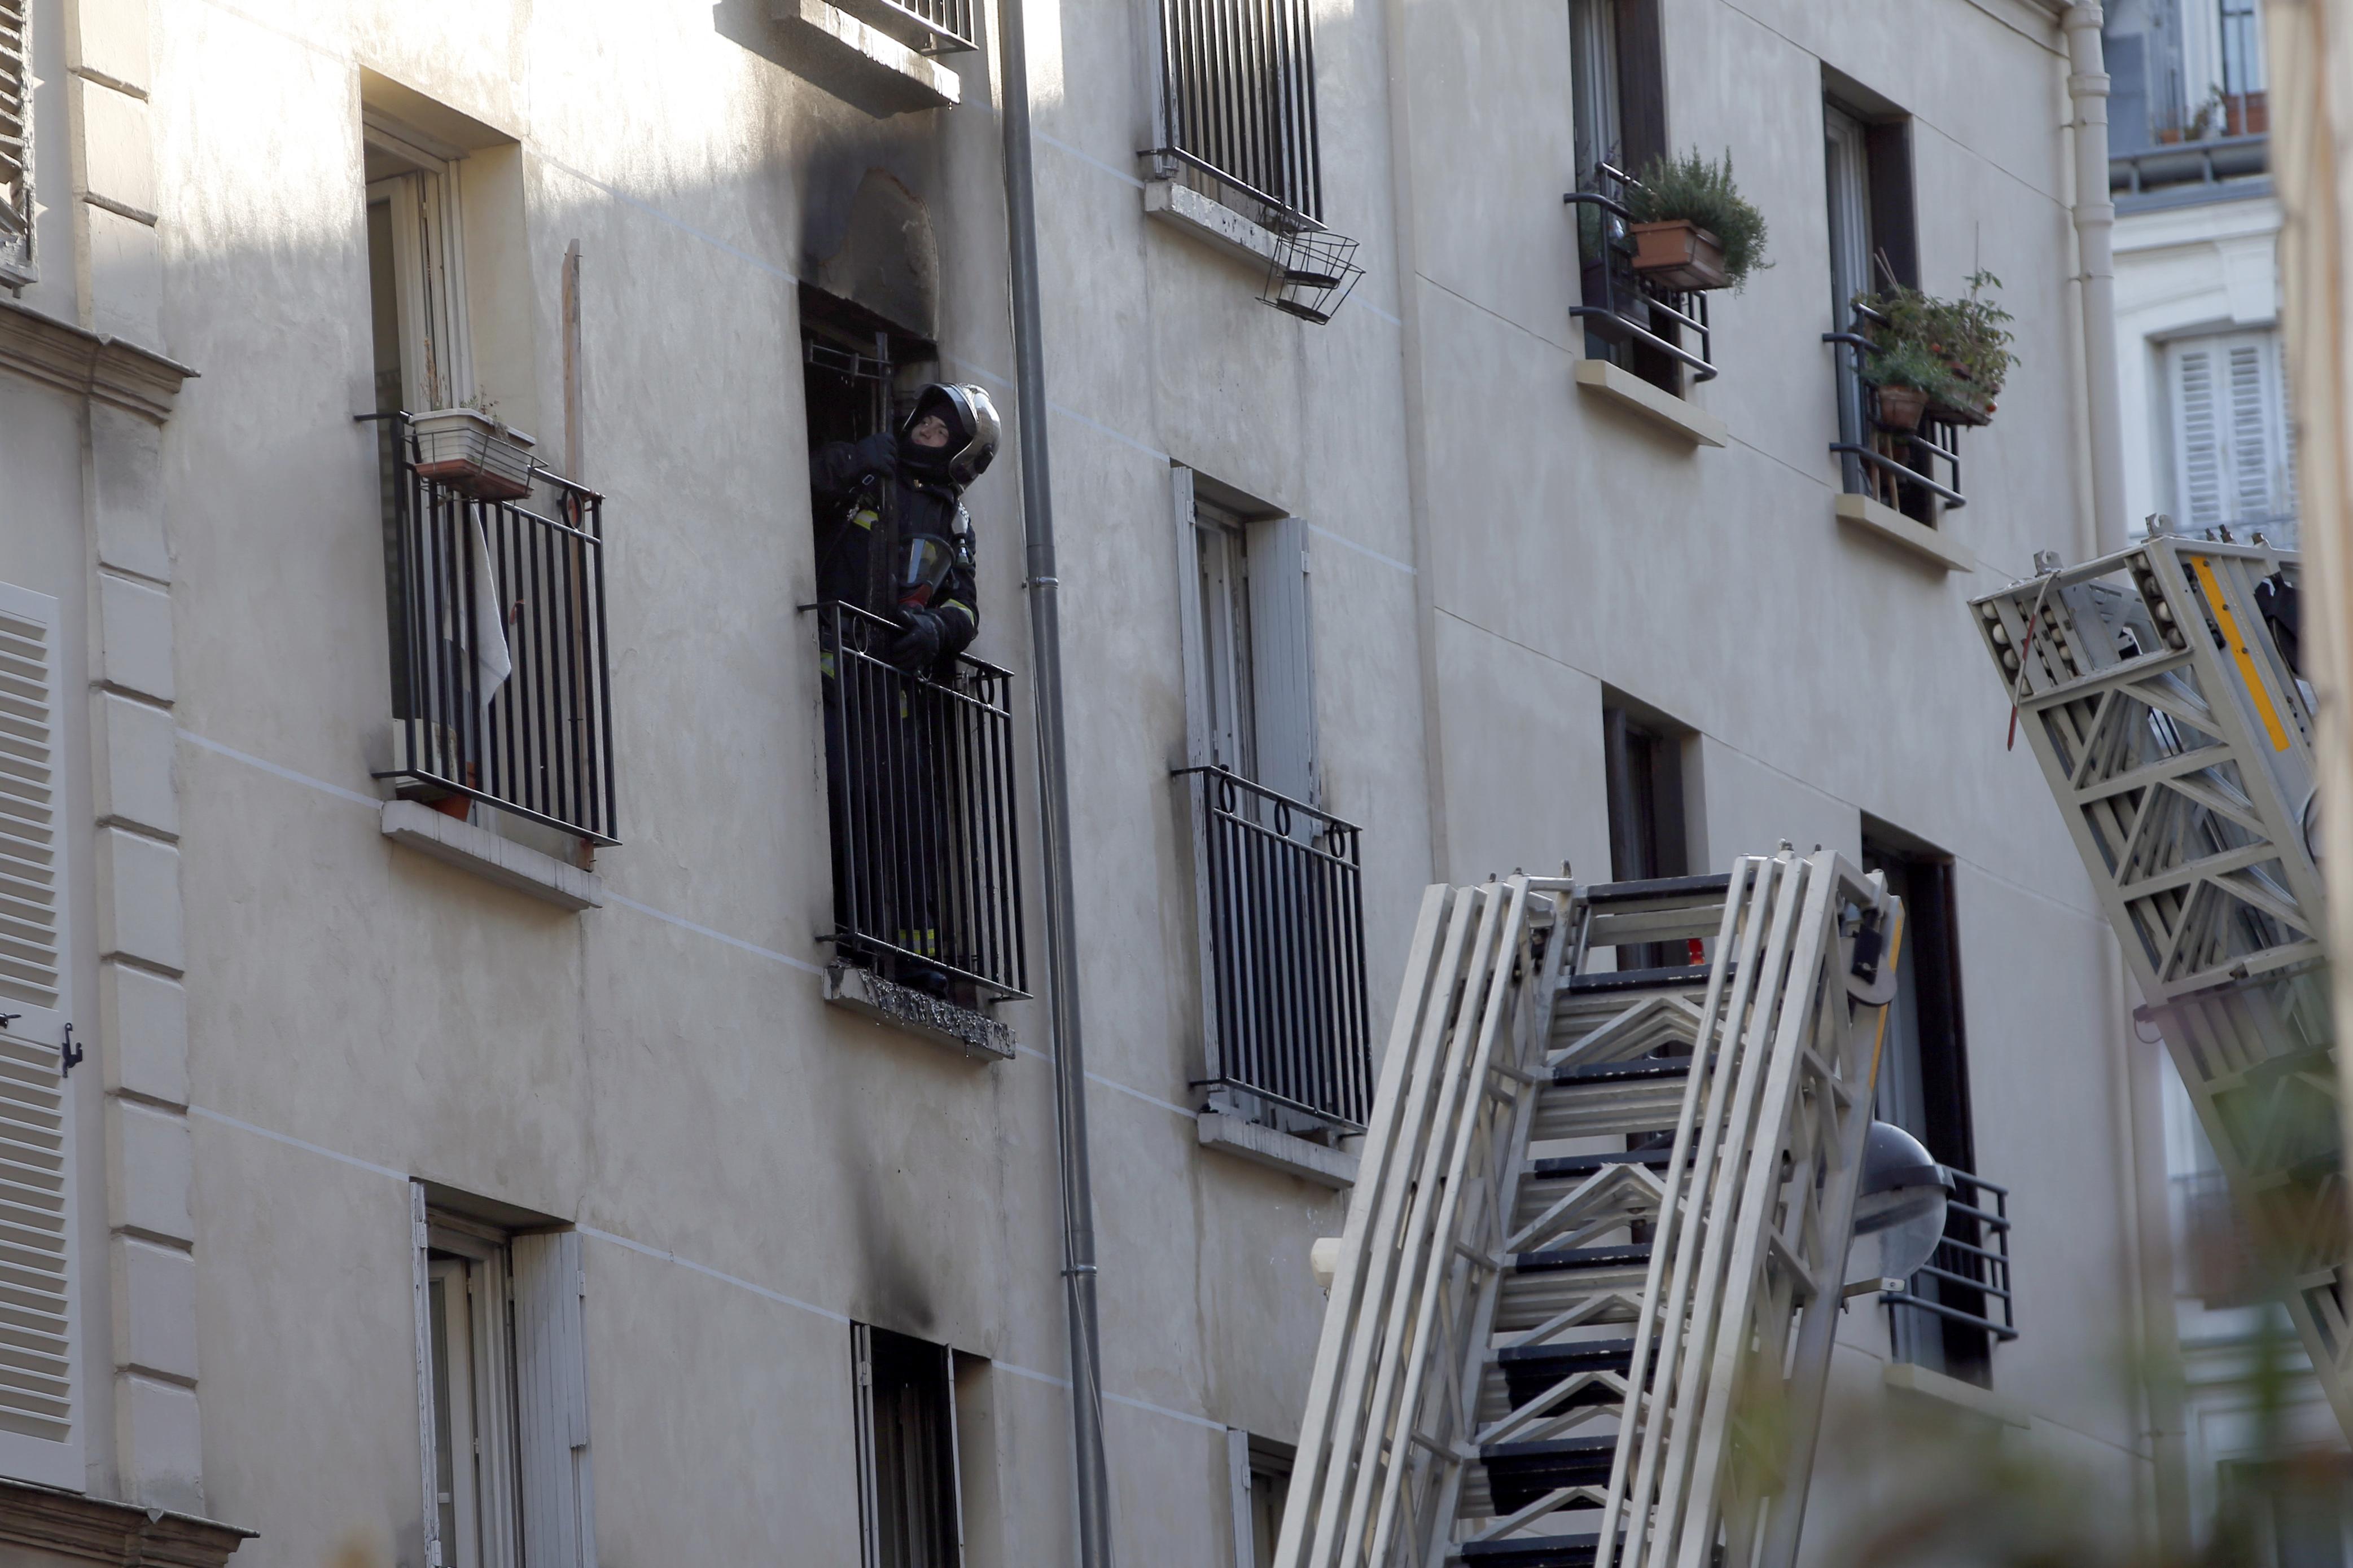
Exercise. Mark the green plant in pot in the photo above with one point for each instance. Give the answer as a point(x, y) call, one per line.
point(1904, 377)
point(1693, 228)
point(1970, 337)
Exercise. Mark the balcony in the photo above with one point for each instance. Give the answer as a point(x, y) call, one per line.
point(1280, 913)
point(919, 779)
point(1914, 473)
point(502, 690)
point(1658, 332)
point(1967, 1281)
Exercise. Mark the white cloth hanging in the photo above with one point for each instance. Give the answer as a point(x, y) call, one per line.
point(492, 661)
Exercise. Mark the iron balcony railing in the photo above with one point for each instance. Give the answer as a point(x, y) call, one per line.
point(501, 685)
point(927, 27)
point(1282, 916)
point(1967, 1280)
point(1619, 305)
point(1917, 472)
point(1238, 102)
point(919, 776)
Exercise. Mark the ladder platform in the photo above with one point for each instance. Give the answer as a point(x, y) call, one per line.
point(1520, 1473)
point(1530, 1370)
point(1680, 977)
point(1531, 1551)
point(1575, 1258)
point(1712, 886)
point(1640, 1068)
point(1568, 1167)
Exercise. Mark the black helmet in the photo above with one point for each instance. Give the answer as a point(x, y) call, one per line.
point(973, 432)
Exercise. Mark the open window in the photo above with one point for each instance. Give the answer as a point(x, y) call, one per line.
point(1258, 1473)
point(1643, 753)
point(1277, 893)
point(909, 1498)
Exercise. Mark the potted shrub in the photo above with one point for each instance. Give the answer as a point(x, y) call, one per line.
point(468, 450)
point(1966, 339)
point(1904, 378)
point(1693, 229)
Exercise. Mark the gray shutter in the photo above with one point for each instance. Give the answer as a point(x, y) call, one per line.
point(551, 1402)
point(41, 1395)
point(861, 1403)
point(2198, 443)
point(1189, 618)
point(1238, 1487)
point(15, 117)
point(1282, 675)
point(427, 1441)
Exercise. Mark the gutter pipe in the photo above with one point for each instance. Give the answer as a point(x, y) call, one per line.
point(1094, 1486)
point(2095, 221)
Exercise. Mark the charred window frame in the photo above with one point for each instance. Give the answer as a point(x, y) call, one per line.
point(859, 370)
point(1642, 761)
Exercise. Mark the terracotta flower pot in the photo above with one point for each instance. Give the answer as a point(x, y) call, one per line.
point(1679, 254)
point(473, 454)
point(1899, 407)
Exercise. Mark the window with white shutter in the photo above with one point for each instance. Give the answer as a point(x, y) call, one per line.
point(15, 139)
point(2233, 455)
point(40, 1404)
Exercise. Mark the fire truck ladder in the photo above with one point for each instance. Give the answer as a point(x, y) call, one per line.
point(1586, 1191)
point(2180, 745)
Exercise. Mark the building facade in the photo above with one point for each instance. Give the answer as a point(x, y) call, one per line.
point(535, 1108)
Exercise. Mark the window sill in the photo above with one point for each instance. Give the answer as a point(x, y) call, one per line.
point(1682, 417)
point(1209, 220)
point(960, 1029)
point(863, 65)
point(1280, 1151)
point(490, 856)
point(1928, 543)
point(1968, 1397)
point(43, 1524)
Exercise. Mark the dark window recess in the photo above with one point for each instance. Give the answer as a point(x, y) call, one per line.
point(1643, 775)
point(1238, 105)
point(907, 1494)
point(1959, 1307)
point(855, 367)
point(1867, 172)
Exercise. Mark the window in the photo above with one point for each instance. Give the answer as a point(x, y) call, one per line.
point(2233, 453)
point(16, 141)
point(502, 1378)
point(1924, 1088)
point(1619, 116)
point(1643, 761)
point(910, 1499)
point(1259, 1473)
point(40, 1393)
point(1237, 107)
point(1276, 878)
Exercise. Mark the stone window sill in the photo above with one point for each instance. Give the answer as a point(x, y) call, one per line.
point(43, 1525)
point(1210, 221)
point(960, 1029)
point(490, 856)
point(1952, 1391)
point(864, 66)
point(1313, 1162)
point(1930, 544)
point(1678, 416)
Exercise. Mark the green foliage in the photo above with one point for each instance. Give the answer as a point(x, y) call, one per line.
point(1691, 188)
point(1967, 338)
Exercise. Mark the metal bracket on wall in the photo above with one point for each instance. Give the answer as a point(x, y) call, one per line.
point(68, 1054)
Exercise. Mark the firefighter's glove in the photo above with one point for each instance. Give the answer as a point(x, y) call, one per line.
point(917, 647)
point(877, 453)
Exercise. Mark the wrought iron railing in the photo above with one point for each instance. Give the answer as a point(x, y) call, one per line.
point(1619, 305)
point(1967, 1281)
point(1916, 471)
point(927, 27)
point(501, 685)
point(1238, 102)
point(1282, 916)
point(919, 776)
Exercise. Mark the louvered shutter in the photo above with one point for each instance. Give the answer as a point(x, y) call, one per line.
point(40, 1405)
point(15, 117)
point(1283, 676)
point(2254, 421)
point(551, 1402)
point(2198, 443)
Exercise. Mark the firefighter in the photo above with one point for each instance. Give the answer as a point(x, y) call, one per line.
point(894, 541)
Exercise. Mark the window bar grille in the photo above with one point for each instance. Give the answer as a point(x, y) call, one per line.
point(1238, 101)
point(920, 773)
point(539, 744)
point(926, 26)
point(1620, 304)
point(1286, 959)
point(1967, 1280)
point(1915, 473)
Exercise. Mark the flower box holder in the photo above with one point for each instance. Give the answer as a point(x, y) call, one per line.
point(473, 454)
point(1679, 254)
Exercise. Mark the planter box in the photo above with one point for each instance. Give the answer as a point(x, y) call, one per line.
point(473, 454)
point(1898, 407)
point(1679, 254)
point(1957, 415)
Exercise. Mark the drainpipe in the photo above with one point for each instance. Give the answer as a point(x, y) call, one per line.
point(1053, 801)
point(2095, 223)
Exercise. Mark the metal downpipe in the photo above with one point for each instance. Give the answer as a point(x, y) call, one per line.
point(1054, 800)
point(2094, 216)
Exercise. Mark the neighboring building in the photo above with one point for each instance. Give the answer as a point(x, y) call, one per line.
point(482, 1154)
point(2209, 442)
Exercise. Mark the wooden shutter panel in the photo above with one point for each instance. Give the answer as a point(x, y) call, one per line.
point(1283, 675)
point(2252, 427)
point(15, 115)
point(2197, 436)
point(551, 1402)
point(41, 1393)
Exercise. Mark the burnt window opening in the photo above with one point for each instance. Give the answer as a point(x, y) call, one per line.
point(1642, 759)
point(860, 373)
point(909, 1506)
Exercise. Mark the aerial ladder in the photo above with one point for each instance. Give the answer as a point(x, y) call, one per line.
point(1582, 1313)
point(2159, 690)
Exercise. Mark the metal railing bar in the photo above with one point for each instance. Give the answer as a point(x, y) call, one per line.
point(1999, 1331)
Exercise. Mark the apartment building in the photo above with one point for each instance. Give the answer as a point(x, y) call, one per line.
point(462, 1103)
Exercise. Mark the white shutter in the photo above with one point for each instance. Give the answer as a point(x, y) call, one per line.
point(1282, 673)
point(551, 1402)
point(420, 1285)
point(2253, 421)
point(15, 117)
point(862, 1401)
point(40, 1392)
point(1188, 619)
point(2198, 443)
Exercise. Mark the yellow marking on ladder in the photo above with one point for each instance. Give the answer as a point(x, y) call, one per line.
point(1888, 961)
point(2240, 652)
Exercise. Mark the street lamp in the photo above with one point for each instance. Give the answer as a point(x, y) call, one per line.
point(1901, 1204)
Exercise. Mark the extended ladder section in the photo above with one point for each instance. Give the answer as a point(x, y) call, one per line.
point(2154, 689)
point(1587, 1191)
